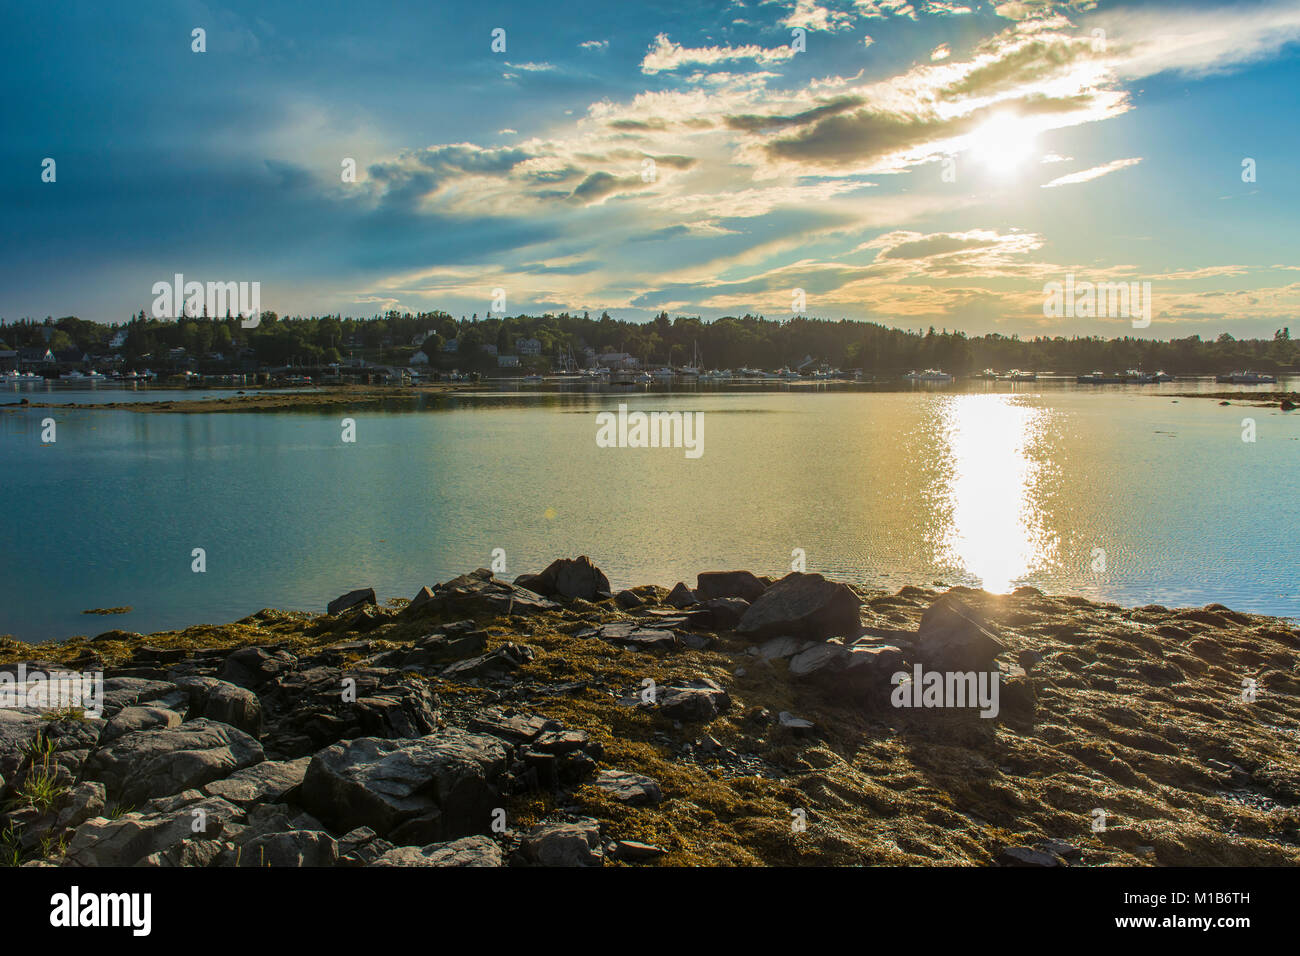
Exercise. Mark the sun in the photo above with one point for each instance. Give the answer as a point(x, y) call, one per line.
point(1003, 144)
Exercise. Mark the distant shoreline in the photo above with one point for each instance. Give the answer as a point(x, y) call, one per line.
point(363, 396)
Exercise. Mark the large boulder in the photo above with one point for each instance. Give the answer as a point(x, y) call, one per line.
point(444, 785)
point(954, 636)
point(350, 600)
point(729, 584)
point(155, 763)
point(568, 578)
point(803, 605)
point(220, 700)
point(563, 844)
point(631, 788)
point(134, 836)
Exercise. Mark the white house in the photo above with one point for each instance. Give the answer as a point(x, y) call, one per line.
point(507, 361)
point(528, 346)
point(450, 345)
point(118, 339)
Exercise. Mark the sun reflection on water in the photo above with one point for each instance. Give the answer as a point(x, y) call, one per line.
point(994, 528)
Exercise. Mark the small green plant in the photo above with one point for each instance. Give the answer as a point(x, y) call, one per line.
point(119, 811)
point(10, 854)
point(40, 788)
point(65, 713)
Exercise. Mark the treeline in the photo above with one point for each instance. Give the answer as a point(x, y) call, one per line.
point(747, 341)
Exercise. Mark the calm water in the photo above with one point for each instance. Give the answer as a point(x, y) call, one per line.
point(991, 486)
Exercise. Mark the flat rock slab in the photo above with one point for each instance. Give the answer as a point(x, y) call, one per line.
point(448, 779)
point(467, 851)
point(155, 763)
point(631, 788)
point(265, 782)
point(633, 634)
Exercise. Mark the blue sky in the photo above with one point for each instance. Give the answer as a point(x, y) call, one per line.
point(913, 163)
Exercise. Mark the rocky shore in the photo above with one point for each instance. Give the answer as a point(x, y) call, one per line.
point(740, 721)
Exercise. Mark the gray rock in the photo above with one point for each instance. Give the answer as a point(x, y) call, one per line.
point(79, 804)
point(449, 780)
point(223, 701)
point(138, 717)
point(122, 692)
point(506, 658)
point(350, 600)
point(681, 596)
point(728, 584)
point(954, 636)
point(17, 731)
point(1027, 856)
point(820, 657)
point(725, 613)
point(631, 788)
point(155, 763)
point(804, 605)
point(292, 848)
point(188, 853)
point(467, 851)
point(265, 782)
point(787, 719)
point(481, 593)
point(698, 700)
point(563, 844)
point(779, 648)
point(568, 578)
point(634, 635)
point(127, 840)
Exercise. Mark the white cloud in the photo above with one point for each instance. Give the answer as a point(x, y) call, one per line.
point(594, 45)
point(941, 52)
point(664, 55)
point(1096, 172)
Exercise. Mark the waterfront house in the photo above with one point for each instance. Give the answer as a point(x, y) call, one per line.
point(507, 361)
point(71, 357)
point(528, 346)
point(118, 339)
point(29, 358)
point(450, 345)
point(419, 358)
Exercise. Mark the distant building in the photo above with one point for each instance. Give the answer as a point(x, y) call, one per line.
point(507, 361)
point(451, 345)
point(36, 356)
point(489, 349)
point(72, 356)
point(118, 339)
point(8, 360)
point(419, 358)
point(528, 346)
point(618, 360)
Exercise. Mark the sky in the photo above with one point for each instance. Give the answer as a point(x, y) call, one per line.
point(911, 163)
